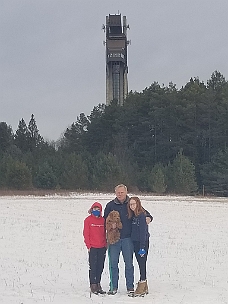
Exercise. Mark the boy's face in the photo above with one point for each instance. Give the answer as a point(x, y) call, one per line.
point(96, 211)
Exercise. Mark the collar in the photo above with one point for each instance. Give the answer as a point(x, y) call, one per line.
point(117, 202)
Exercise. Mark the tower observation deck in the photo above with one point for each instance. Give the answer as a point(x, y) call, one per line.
point(116, 59)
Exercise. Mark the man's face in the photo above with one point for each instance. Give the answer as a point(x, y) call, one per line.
point(121, 194)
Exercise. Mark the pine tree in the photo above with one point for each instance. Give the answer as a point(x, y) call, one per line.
point(157, 179)
point(181, 175)
point(106, 172)
point(215, 174)
point(75, 173)
point(6, 136)
point(22, 136)
point(18, 176)
point(45, 177)
point(74, 136)
point(35, 139)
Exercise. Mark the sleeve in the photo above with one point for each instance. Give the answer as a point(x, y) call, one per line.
point(107, 211)
point(142, 230)
point(148, 215)
point(86, 234)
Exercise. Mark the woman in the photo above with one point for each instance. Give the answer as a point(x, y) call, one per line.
point(140, 238)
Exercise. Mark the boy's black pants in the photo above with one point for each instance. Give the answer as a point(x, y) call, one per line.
point(96, 264)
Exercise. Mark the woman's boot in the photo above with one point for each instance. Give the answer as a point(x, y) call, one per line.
point(146, 288)
point(141, 289)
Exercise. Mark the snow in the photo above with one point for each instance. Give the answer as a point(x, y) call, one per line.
point(43, 258)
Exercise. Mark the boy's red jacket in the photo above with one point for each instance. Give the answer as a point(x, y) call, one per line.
point(94, 230)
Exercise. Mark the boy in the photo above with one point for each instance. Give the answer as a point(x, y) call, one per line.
point(95, 241)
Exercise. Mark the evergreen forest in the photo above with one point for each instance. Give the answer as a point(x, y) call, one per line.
point(163, 140)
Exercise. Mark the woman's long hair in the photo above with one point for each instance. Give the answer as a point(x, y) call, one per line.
point(138, 210)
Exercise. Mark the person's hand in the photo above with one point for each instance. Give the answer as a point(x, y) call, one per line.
point(148, 220)
point(89, 250)
point(142, 252)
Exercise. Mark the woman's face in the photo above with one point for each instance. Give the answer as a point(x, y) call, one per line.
point(132, 204)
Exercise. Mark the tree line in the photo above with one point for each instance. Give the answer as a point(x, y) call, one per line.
point(162, 140)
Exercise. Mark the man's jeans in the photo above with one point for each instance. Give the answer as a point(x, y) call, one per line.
point(126, 246)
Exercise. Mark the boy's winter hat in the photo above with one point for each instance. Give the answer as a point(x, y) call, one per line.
point(96, 204)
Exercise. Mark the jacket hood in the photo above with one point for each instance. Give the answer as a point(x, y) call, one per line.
point(96, 204)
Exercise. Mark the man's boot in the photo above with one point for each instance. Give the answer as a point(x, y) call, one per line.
point(99, 289)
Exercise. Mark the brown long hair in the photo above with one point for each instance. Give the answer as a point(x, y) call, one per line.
point(139, 209)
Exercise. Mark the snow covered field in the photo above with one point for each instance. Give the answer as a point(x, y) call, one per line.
point(43, 258)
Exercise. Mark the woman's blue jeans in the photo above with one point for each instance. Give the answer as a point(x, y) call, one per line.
point(126, 246)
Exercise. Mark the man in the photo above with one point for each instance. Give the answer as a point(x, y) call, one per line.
point(125, 244)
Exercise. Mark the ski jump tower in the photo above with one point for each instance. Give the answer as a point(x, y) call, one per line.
point(116, 58)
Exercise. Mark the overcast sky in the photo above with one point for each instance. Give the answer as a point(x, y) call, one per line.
point(52, 58)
